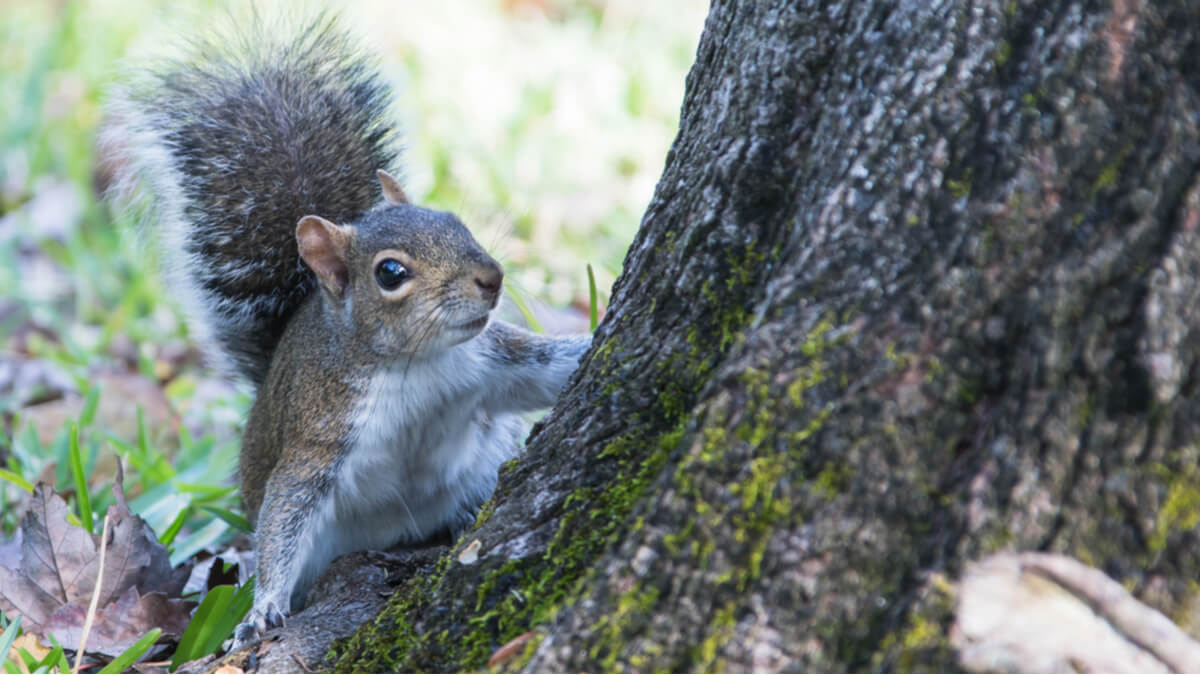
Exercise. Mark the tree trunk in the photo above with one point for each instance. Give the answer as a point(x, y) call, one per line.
point(919, 283)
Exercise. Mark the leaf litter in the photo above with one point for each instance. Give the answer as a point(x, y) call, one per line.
point(49, 570)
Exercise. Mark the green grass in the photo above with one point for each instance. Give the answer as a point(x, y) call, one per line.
point(545, 131)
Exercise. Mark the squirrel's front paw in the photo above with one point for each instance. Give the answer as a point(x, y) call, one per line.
point(257, 622)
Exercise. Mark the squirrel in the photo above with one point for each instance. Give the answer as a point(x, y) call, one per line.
point(387, 396)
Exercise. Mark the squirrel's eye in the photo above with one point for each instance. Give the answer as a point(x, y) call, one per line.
point(390, 274)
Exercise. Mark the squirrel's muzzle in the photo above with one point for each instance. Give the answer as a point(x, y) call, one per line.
point(488, 279)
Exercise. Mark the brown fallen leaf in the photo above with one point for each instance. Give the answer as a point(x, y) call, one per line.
point(10, 551)
point(55, 558)
point(509, 649)
point(30, 643)
point(52, 581)
point(122, 623)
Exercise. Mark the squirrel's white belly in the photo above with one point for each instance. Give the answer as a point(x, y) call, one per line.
point(424, 457)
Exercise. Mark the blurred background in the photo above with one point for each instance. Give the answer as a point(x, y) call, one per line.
point(543, 123)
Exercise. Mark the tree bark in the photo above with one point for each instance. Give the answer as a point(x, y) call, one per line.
point(919, 283)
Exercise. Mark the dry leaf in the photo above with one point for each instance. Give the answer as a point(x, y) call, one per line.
point(509, 649)
point(122, 623)
point(55, 574)
point(56, 558)
point(10, 551)
point(209, 571)
point(29, 642)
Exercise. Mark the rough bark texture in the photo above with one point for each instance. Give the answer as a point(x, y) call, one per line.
point(919, 283)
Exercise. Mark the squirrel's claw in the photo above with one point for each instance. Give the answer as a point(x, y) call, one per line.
point(257, 622)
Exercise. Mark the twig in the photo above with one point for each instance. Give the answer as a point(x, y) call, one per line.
point(91, 613)
point(297, 659)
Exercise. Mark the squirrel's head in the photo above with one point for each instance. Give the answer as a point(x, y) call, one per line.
point(409, 280)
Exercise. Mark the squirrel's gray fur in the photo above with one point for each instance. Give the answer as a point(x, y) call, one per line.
point(238, 139)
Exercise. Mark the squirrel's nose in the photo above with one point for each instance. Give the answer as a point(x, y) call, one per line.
point(488, 280)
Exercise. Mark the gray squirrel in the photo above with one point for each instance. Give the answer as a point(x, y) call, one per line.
point(387, 396)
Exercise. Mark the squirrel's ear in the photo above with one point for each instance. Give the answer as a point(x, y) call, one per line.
point(323, 246)
point(392, 192)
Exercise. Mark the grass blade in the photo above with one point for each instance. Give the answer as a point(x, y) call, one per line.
point(230, 517)
point(56, 659)
point(214, 621)
point(593, 311)
point(8, 637)
point(13, 478)
point(201, 627)
point(31, 663)
point(204, 492)
point(82, 499)
point(530, 319)
point(173, 529)
point(206, 536)
point(143, 439)
point(89, 407)
point(131, 655)
point(205, 628)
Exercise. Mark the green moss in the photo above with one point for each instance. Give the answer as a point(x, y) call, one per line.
point(923, 640)
point(815, 342)
point(1179, 513)
point(603, 355)
point(1003, 53)
point(1108, 178)
point(969, 390)
point(704, 655)
point(1086, 410)
point(485, 512)
point(901, 361)
point(744, 266)
point(998, 538)
point(1111, 172)
point(634, 604)
point(933, 368)
point(833, 479)
point(961, 188)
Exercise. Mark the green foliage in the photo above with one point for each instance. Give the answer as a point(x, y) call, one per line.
point(6, 640)
point(131, 655)
point(592, 310)
point(518, 300)
point(81, 490)
point(216, 617)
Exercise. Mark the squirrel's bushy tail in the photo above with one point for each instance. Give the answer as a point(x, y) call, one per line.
point(228, 146)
